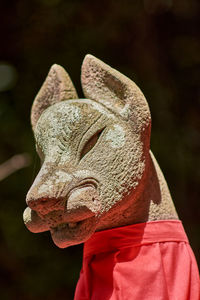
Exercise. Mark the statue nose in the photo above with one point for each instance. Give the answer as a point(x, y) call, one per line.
point(44, 205)
point(80, 201)
point(48, 191)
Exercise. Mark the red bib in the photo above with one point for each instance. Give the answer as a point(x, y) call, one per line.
point(146, 261)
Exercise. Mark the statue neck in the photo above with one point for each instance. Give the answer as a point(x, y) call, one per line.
point(152, 201)
point(161, 204)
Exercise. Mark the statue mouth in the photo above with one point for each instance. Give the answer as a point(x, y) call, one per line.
point(75, 221)
point(72, 233)
point(69, 225)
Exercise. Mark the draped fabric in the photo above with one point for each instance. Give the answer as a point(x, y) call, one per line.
point(151, 261)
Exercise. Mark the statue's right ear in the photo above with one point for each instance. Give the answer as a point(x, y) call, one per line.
point(57, 87)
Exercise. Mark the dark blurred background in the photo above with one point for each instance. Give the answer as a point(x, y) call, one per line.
point(155, 43)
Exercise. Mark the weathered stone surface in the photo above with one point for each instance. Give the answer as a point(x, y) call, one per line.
point(97, 171)
point(57, 87)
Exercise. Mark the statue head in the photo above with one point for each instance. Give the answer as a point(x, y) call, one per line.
point(94, 152)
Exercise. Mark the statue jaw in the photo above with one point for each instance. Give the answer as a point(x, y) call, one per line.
point(73, 233)
point(65, 233)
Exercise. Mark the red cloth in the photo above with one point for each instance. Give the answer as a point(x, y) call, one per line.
point(147, 261)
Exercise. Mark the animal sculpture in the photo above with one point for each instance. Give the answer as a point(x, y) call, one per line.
point(100, 184)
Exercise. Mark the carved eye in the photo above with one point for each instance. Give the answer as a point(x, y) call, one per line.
point(91, 143)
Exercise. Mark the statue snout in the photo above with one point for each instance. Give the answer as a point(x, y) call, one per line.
point(83, 198)
point(80, 200)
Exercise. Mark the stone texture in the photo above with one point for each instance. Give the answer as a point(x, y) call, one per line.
point(57, 87)
point(97, 170)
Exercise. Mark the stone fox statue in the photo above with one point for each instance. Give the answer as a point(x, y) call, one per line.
point(100, 184)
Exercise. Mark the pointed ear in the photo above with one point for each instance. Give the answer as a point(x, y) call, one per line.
point(118, 93)
point(57, 87)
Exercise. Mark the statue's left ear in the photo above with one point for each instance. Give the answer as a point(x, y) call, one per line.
point(112, 89)
point(57, 87)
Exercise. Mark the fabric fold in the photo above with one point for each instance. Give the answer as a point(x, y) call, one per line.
point(151, 261)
